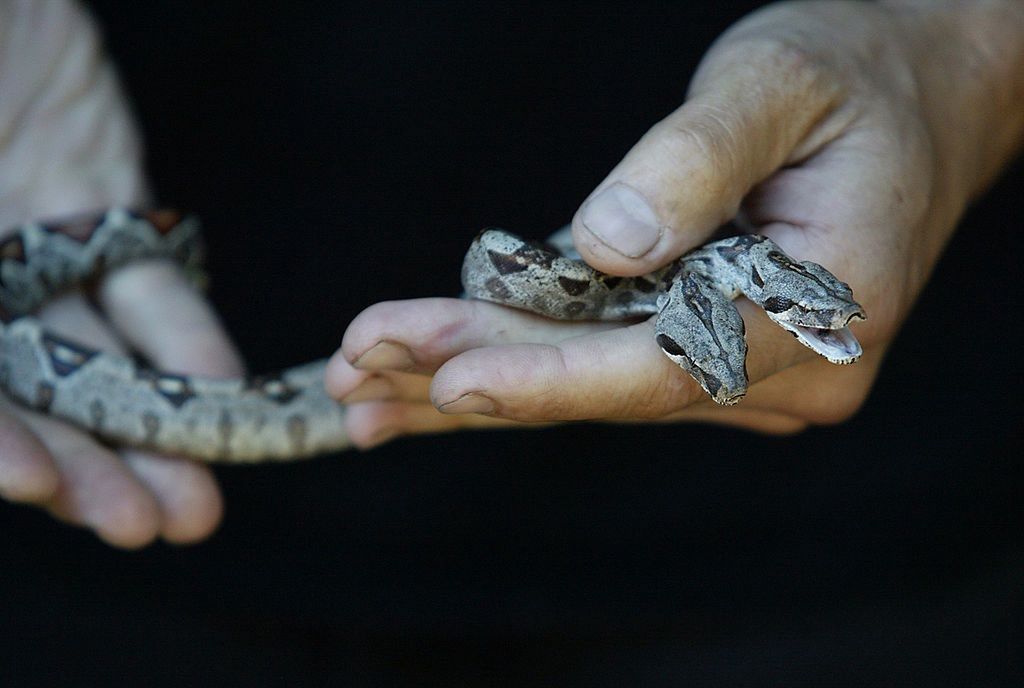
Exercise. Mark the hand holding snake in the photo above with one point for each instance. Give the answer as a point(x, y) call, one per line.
point(70, 144)
point(841, 153)
point(795, 117)
point(289, 415)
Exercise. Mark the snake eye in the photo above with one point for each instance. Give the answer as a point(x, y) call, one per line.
point(670, 346)
point(777, 304)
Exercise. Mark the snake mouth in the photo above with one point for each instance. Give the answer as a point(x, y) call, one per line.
point(837, 345)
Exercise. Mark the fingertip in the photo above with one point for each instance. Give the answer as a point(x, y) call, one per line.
point(613, 243)
point(386, 355)
point(340, 378)
point(28, 481)
point(189, 499)
point(28, 472)
point(154, 307)
point(97, 491)
point(381, 322)
point(126, 521)
point(405, 335)
point(371, 424)
point(505, 381)
point(622, 218)
point(201, 523)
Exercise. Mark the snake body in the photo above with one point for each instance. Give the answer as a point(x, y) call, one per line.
point(698, 327)
point(282, 416)
point(289, 415)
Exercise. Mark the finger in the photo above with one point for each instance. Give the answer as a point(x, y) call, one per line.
point(71, 316)
point(390, 386)
point(185, 494)
point(620, 373)
point(373, 423)
point(350, 385)
point(28, 472)
point(752, 107)
point(95, 489)
point(157, 311)
point(421, 334)
point(189, 499)
point(153, 305)
point(616, 374)
point(436, 330)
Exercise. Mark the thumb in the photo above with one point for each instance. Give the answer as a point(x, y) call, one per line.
point(753, 107)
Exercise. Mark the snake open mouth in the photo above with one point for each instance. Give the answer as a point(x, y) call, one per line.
point(838, 346)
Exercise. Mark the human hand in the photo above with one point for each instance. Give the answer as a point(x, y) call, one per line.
point(852, 134)
point(69, 145)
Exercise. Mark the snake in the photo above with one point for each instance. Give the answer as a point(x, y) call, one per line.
point(289, 415)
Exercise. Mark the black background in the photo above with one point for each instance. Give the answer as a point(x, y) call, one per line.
point(345, 153)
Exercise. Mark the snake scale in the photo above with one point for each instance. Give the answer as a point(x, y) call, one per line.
point(289, 415)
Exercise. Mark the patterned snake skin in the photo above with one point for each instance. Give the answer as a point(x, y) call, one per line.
point(283, 416)
point(289, 415)
point(697, 326)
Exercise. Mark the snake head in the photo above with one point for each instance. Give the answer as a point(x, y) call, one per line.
point(808, 301)
point(700, 330)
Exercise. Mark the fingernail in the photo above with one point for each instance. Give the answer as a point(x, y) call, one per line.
point(385, 355)
point(623, 220)
point(468, 403)
point(372, 389)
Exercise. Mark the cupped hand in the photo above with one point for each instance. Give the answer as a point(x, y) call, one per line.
point(853, 134)
point(69, 145)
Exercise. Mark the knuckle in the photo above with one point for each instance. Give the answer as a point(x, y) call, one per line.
point(790, 59)
point(699, 148)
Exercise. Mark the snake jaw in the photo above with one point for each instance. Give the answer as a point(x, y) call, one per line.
point(838, 345)
point(823, 329)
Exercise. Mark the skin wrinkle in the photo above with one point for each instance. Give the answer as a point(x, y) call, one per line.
point(569, 368)
point(707, 139)
point(808, 72)
point(730, 134)
point(832, 123)
point(555, 374)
